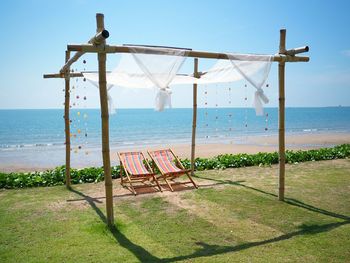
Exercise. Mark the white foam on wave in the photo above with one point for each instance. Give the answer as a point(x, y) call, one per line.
point(309, 130)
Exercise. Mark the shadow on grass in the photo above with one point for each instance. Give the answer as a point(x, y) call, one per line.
point(140, 190)
point(207, 250)
point(139, 252)
point(290, 201)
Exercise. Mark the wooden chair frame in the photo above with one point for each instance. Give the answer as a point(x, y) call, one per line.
point(172, 175)
point(131, 178)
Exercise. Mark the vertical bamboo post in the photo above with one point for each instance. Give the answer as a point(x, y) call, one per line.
point(281, 117)
point(66, 120)
point(194, 117)
point(105, 126)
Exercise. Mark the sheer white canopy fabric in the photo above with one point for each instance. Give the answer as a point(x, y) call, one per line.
point(140, 69)
point(160, 68)
point(93, 79)
point(128, 74)
point(255, 69)
point(223, 71)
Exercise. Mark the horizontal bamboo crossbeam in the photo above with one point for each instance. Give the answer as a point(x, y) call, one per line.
point(62, 75)
point(87, 48)
point(70, 75)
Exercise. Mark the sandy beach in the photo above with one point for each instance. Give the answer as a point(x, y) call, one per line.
point(256, 144)
point(45, 158)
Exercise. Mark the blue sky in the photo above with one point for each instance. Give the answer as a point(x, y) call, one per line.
point(35, 35)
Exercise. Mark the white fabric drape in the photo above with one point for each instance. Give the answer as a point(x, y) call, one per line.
point(129, 74)
point(160, 68)
point(255, 69)
point(144, 69)
point(223, 71)
point(93, 79)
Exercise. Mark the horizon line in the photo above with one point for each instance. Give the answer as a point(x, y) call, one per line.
point(151, 108)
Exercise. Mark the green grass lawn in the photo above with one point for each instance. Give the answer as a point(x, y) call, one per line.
point(233, 217)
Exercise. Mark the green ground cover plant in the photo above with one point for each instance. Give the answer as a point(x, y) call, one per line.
point(95, 174)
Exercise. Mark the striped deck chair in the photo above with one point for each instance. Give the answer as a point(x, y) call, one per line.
point(133, 165)
point(169, 166)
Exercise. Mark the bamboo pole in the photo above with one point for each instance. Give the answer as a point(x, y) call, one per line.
point(66, 121)
point(71, 75)
point(73, 59)
point(105, 127)
point(298, 50)
point(99, 38)
point(194, 118)
point(191, 53)
point(281, 119)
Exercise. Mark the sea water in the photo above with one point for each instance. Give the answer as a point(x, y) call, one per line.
point(26, 136)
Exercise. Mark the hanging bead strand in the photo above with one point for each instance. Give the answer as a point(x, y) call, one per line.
point(216, 111)
point(230, 113)
point(206, 124)
point(246, 111)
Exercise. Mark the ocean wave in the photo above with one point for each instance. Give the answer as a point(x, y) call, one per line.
point(128, 143)
point(310, 130)
point(28, 145)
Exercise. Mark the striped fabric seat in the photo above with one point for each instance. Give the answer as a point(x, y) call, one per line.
point(133, 163)
point(165, 161)
point(169, 166)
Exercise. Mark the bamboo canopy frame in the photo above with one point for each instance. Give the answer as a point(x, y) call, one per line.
point(97, 44)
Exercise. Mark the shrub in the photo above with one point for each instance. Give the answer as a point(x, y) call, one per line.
point(95, 174)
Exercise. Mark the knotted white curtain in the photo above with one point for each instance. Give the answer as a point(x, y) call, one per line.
point(161, 68)
point(255, 69)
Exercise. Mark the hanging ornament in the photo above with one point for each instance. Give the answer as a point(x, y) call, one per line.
point(84, 96)
point(206, 111)
point(230, 114)
point(266, 121)
point(246, 107)
point(216, 109)
point(77, 97)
